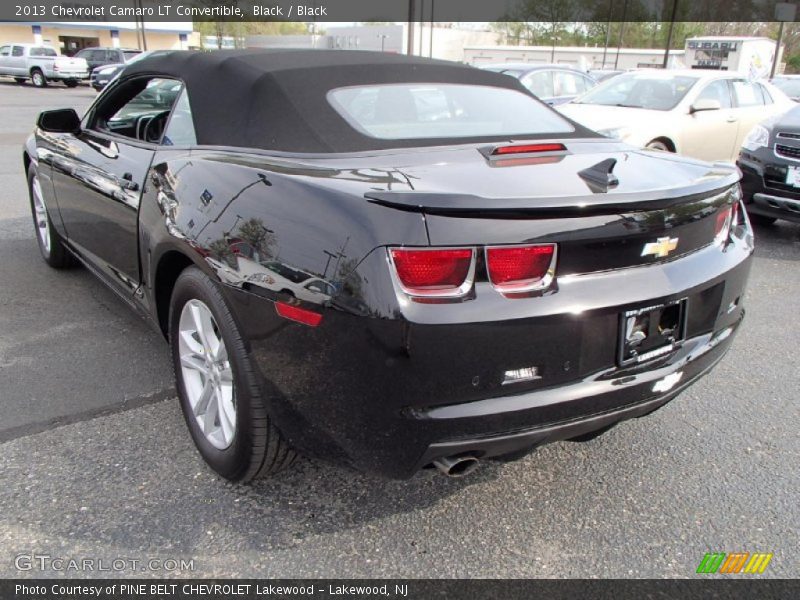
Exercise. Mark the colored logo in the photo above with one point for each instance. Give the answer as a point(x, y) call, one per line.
point(661, 247)
point(735, 562)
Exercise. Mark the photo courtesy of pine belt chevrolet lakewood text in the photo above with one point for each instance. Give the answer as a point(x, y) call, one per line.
point(389, 262)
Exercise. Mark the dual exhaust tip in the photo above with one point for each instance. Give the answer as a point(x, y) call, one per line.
point(457, 466)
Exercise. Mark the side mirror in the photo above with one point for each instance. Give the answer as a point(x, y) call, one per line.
point(63, 120)
point(705, 104)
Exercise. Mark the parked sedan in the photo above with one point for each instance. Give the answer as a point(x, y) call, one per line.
point(770, 164)
point(553, 84)
point(491, 279)
point(703, 114)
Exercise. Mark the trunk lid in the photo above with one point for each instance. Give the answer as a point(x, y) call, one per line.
point(661, 207)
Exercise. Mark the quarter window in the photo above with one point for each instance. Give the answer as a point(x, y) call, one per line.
point(180, 129)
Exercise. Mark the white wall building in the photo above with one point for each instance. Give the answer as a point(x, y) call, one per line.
point(580, 57)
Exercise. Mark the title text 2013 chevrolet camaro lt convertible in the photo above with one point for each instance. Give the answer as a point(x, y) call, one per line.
point(389, 262)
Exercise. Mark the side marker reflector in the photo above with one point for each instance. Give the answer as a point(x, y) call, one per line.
point(300, 315)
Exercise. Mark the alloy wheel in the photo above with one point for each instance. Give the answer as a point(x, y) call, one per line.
point(40, 212)
point(207, 374)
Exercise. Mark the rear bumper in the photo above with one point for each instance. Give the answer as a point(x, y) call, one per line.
point(763, 196)
point(389, 395)
point(634, 396)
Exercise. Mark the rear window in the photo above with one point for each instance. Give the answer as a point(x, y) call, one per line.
point(129, 54)
point(42, 52)
point(424, 110)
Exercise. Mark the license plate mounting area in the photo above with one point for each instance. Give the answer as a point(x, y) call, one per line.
point(651, 332)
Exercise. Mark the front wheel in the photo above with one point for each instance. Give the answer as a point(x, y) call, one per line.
point(50, 244)
point(221, 396)
point(71, 83)
point(38, 78)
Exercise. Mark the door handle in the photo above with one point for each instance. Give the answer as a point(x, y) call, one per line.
point(127, 182)
point(731, 119)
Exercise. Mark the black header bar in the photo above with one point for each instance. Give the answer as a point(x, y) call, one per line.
point(42, 11)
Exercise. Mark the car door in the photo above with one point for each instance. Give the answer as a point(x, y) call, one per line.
point(17, 61)
point(710, 134)
point(5, 60)
point(98, 174)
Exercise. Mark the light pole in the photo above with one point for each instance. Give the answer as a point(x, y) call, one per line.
point(608, 31)
point(669, 34)
point(784, 11)
point(621, 33)
point(553, 50)
point(383, 37)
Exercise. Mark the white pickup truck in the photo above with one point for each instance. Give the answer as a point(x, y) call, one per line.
point(41, 64)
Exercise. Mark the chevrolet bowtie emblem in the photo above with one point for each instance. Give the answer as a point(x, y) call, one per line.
point(661, 247)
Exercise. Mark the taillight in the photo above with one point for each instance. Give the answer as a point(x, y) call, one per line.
point(515, 269)
point(722, 227)
point(435, 272)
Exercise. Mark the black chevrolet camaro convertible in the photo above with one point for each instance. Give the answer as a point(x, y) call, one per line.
point(389, 262)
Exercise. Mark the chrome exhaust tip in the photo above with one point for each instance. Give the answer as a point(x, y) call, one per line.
point(456, 466)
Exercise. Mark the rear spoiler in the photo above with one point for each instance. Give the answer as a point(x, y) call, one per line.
point(464, 205)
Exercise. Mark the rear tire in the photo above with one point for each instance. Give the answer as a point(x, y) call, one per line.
point(71, 83)
point(762, 220)
point(222, 398)
point(38, 79)
point(50, 243)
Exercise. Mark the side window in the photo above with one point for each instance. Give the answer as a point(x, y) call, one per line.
point(540, 83)
point(568, 84)
point(180, 129)
point(747, 94)
point(18, 51)
point(138, 109)
point(5, 50)
point(719, 91)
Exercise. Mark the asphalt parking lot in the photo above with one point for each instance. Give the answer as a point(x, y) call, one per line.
point(96, 462)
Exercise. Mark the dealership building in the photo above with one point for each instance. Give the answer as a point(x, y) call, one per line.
point(68, 38)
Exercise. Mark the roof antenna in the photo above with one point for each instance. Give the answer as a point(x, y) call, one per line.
point(601, 176)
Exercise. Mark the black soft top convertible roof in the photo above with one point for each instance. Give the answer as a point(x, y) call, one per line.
point(276, 99)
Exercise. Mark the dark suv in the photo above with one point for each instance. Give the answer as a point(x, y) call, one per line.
point(97, 57)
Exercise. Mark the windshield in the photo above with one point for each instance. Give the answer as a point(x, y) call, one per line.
point(653, 91)
point(790, 87)
point(439, 110)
